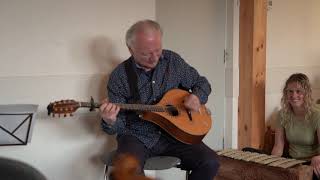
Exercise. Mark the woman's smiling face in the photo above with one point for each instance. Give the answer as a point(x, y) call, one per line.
point(295, 95)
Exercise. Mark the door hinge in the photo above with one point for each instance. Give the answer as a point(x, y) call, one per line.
point(223, 143)
point(225, 56)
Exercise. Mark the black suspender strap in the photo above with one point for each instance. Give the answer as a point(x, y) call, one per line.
point(132, 80)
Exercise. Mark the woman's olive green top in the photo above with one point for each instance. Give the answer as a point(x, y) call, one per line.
point(301, 133)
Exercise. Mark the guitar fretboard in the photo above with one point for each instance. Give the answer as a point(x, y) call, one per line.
point(134, 107)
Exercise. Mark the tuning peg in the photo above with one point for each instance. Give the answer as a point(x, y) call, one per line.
point(71, 114)
point(53, 115)
point(59, 115)
point(65, 115)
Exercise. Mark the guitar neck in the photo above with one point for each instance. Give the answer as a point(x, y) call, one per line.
point(132, 107)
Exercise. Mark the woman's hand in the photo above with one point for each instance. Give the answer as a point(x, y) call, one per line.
point(109, 112)
point(315, 163)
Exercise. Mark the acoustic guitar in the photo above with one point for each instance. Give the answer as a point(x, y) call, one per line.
point(189, 127)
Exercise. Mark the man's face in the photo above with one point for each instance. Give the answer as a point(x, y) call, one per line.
point(147, 49)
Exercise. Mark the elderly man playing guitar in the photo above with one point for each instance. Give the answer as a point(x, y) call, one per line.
point(152, 76)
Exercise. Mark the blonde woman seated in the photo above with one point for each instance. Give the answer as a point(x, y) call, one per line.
point(299, 122)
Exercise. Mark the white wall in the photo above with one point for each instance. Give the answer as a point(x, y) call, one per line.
point(52, 50)
point(293, 33)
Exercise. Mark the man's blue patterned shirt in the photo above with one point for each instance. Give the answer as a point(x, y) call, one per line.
point(171, 72)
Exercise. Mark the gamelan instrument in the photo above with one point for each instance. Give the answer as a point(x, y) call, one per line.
point(269, 160)
point(244, 165)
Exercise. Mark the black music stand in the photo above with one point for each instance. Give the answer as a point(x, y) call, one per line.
point(16, 123)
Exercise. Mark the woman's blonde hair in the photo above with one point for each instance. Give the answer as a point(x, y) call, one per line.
point(286, 109)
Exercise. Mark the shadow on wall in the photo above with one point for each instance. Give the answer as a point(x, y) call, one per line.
point(85, 124)
point(102, 52)
point(103, 55)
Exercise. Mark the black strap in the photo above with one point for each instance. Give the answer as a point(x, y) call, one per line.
point(132, 81)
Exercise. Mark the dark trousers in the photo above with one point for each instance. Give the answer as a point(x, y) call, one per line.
point(199, 158)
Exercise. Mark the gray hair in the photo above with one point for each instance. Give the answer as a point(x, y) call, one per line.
point(144, 26)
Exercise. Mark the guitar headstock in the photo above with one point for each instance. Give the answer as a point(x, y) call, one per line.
point(65, 107)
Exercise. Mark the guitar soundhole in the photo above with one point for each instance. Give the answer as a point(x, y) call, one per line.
point(173, 111)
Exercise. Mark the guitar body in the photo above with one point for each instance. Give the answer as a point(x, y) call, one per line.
point(187, 127)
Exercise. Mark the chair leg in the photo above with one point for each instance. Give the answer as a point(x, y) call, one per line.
point(105, 172)
point(187, 174)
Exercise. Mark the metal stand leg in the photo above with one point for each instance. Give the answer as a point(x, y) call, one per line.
point(187, 174)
